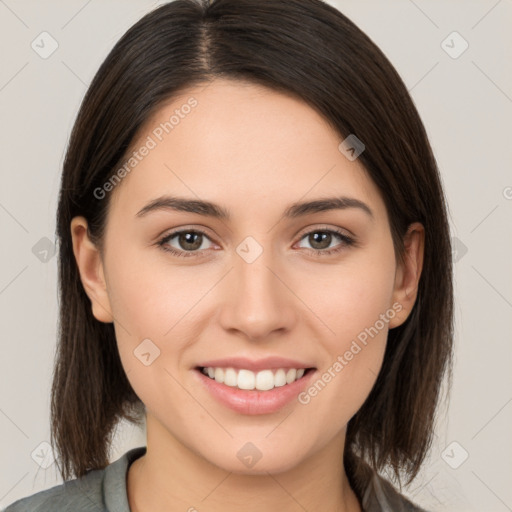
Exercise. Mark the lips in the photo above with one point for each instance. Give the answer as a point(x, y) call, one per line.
point(256, 365)
point(267, 394)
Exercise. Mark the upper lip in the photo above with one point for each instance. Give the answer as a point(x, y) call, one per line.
point(267, 363)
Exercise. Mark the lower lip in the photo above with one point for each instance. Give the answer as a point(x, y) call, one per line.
point(254, 401)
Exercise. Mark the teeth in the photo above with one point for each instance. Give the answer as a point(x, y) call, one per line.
point(219, 374)
point(290, 375)
point(246, 379)
point(230, 377)
point(280, 378)
point(263, 380)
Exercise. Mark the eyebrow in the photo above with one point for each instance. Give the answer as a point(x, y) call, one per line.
point(210, 209)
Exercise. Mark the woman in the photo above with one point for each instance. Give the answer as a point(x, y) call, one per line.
point(254, 259)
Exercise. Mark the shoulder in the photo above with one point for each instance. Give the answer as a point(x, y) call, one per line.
point(91, 493)
point(83, 494)
point(381, 495)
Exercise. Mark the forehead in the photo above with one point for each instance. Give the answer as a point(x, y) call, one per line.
point(242, 145)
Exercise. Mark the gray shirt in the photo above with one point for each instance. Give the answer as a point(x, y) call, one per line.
point(104, 490)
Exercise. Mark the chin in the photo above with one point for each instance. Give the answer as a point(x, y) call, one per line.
point(257, 457)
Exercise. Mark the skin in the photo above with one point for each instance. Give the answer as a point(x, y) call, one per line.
point(253, 151)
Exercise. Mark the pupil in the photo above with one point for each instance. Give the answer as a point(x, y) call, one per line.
point(187, 238)
point(322, 237)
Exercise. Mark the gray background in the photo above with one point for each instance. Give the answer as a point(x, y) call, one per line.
point(466, 105)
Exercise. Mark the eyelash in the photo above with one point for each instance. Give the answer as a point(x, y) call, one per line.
point(347, 241)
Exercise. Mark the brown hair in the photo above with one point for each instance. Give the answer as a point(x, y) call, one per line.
point(311, 50)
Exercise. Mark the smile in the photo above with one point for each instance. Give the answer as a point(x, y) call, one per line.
point(262, 391)
point(263, 380)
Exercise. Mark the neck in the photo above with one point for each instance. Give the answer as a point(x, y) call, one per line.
point(170, 477)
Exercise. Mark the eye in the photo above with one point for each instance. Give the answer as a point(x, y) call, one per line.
point(320, 240)
point(189, 242)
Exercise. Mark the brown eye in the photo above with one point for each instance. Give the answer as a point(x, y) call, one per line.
point(320, 241)
point(190, 240)
point(187, 242)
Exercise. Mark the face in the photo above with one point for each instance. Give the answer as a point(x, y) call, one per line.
point(266, 287)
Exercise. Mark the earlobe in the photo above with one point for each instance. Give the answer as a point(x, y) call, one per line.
point(408, 274)
point(90, 266)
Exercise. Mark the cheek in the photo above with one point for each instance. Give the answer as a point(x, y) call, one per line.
point(350, 296)
point(355, 303)
point(147, 301)
point(152, 296)
point(153, 307)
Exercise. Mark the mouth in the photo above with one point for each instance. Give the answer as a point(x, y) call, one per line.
point(248, 392)
point(248, 380)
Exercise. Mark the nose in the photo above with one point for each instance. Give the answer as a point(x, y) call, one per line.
point(257, 301)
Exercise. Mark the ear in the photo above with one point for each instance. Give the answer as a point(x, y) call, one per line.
point(408, 274)
point(90, 266)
